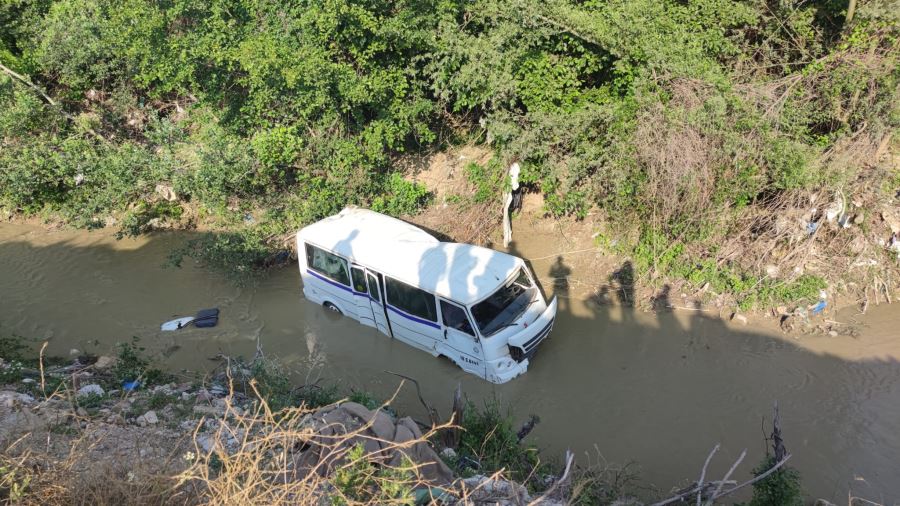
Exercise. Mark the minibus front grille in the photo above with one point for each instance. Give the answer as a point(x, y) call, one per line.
point(532, 343)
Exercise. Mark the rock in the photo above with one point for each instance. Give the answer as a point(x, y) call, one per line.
point(28, 380)
point(739, 318)
point(141, 421)
point(104, 362)
point(12, 399)
point(403, 434)
point(833, 333)
point(206, 442)
point(410, 424)
point(448, 453)
point(151, 418)
point(772, 271)
point(383, 426)
point(74, 352)
point(93, 388)
point(203, 395)
point(201, 409)
point(167, 192)
point(891, 218)
point(357, 410)
point(185, 396)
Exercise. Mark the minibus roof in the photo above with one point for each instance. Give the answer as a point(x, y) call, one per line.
point(460, 272)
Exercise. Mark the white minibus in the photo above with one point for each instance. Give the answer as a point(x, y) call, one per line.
point(478, 307)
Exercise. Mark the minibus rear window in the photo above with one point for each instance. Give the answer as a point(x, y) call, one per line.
point(327, 264)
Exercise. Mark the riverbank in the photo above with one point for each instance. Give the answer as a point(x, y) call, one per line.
point(71, 433)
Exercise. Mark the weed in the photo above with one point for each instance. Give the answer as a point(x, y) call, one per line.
point(159, 400)
point(780, 488)
point(360, 482)
point(489, 439)
point(91, 400)
point(14, 483)
point(131, 366)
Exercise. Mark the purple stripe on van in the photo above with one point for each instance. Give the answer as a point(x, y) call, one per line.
point(413, 318)
point(330, 282)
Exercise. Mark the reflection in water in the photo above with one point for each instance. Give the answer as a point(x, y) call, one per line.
point(658, 388)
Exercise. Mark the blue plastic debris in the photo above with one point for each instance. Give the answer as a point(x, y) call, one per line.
point(811, 227)
point(130, 386)
point(818, 307)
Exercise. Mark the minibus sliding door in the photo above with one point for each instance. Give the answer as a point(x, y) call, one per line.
point(361, 296)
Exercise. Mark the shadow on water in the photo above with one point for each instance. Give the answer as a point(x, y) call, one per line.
point(657, 388)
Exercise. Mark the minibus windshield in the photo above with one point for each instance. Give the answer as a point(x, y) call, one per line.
point(504, 306)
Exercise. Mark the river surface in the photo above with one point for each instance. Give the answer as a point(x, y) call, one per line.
point(613, 384)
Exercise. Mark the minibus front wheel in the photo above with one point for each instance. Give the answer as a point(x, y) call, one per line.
point(332, 307)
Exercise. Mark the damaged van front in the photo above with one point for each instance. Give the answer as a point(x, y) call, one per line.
point(512, 322)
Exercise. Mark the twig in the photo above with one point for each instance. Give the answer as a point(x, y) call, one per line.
point(703, 473)
point(41, 364)
point(570, 458)
point(730, 472)
point(432, 413)
point(754, 480)
point(28, 83)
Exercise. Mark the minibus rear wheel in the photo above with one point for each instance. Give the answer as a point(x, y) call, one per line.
point(332, 307)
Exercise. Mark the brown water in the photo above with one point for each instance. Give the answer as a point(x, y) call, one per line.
point(613, 383)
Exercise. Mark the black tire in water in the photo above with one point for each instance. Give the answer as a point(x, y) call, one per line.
point(332, 307)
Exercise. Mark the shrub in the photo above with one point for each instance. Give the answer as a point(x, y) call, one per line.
point(488, 438)
point(131, 366)
point(781, 488)
point(401, 197)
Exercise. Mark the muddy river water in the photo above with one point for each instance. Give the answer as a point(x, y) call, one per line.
point(613, 384)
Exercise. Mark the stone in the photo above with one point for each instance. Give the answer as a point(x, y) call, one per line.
point(104, 362)
point(203, 395)
point(383, 427)
point(357, 410)
point(185, 396)
point(403, 434)
point(93, 388)
point(410, 424)
point(739, 318)
point(201, 409)
point(141, 421)
point(74, 352)
point(151, 417)
point(448, 453)
point(206, 442)
point(167, 192)
point(12, 399)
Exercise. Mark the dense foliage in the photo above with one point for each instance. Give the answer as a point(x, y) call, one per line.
point(781, 488)
point(672, 114)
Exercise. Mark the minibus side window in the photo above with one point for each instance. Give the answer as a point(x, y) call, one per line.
point(327, 264)
point(411, 299)
point(455, 318)
point(359, 279)
point(373, 289)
